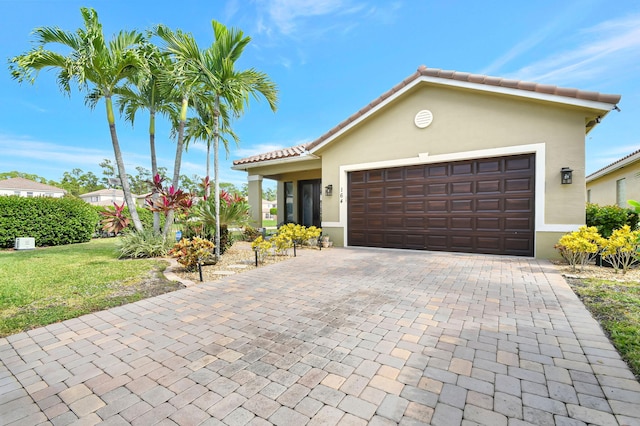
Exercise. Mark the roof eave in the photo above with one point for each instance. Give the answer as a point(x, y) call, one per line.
point(613, 167)
point(275, 162)
point(603, 107)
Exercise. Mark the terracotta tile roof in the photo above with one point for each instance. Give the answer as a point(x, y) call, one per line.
point(423, 71)
point(626, 159)
point(18, 183)
point(294, 151)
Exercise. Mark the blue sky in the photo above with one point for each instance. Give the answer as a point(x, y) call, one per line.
point(329, 58)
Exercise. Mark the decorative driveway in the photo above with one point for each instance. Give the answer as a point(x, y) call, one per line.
point(341, 336)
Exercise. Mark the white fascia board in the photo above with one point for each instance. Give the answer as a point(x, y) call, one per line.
point(613, 167)
point(247, 166)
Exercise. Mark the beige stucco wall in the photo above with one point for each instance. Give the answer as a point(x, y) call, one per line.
point(603, 189)
point(465, 121)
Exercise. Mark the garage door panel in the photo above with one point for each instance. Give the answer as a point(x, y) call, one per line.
point(484, 205)
point(461, 169)
point(436, 188)
point(488, 166)
point(492, 224)
point(517, 164)
point(461, 223)
point(375, 193)
point(462, 188)
point(488, 205)
point(491, 186)
point(394, 174)
point(436, 222)
point(414, 191)
point(517, 205)
point(415, 222)
point(415, 207)
point(518, 224)
point(518, 185)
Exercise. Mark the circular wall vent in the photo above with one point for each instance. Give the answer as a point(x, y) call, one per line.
point(423, 118)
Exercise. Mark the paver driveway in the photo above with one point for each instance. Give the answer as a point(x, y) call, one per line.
point(342, 336)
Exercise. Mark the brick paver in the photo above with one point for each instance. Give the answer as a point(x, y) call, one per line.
point(340, 336)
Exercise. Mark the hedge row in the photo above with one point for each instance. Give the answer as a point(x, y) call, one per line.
point(51, 221)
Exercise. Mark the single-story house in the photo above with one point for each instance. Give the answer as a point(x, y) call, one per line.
point(616, 183)
point(28, 188)
point(106, 197)
point(445, 161)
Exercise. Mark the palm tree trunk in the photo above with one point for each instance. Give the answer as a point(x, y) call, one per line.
point(120, 164)
point(154, 164)
point(216, 193)
point(178, 161)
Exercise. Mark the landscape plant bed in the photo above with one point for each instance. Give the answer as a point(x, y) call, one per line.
point(52, 284)
point(614, 301)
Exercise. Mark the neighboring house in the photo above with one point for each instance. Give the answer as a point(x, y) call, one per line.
point(617, 183)
point(106, 197)
point(445, 161)
point(266, 209)
point(28, 188)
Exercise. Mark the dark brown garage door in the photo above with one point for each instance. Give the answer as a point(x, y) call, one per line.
point(474, 206)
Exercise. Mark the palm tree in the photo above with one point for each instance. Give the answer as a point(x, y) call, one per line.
point(231, 89)
point(183, 77)
point(97, 67)
point(148, 93)
point(200, 128)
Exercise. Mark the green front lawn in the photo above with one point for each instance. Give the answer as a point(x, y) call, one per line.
point(616, 305)
point(47, 285)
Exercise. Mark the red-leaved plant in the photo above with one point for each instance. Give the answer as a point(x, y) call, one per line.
point(114, 219)
point(169, 198)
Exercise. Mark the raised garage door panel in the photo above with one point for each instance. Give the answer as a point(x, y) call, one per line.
point(475, 206)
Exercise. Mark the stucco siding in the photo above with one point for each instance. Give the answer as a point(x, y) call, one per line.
point(465, 121)
point(603, 189)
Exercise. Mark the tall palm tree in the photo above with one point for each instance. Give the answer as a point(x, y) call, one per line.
point(148, 92)
point(231, 89)
point(97, 67)
point(200, 128)
point(183, 77)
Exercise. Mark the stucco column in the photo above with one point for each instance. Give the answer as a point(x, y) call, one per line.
point(255, 198)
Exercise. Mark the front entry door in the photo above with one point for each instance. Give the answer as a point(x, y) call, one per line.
point(309, 202)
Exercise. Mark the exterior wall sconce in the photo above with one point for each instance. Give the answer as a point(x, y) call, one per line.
point(328, 190)
point(566, 174)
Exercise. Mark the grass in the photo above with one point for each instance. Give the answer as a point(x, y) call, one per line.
point(43, 286)
point(268, 223)
point(616, 305)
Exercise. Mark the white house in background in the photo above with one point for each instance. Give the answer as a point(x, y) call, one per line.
point(266, 209)
point(106, 197)
point(28, 188)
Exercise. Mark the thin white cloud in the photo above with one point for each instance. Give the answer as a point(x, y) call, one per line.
point(605, 49)
point(287, 14)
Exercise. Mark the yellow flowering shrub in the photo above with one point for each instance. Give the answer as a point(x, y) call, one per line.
point(580, 247)
point(300, 234)
point(261, 246)
point(189, 252)
point(281, 243)
point(621, 249)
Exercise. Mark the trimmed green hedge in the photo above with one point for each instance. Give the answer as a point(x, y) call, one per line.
point(51, 221)
point(609, 218)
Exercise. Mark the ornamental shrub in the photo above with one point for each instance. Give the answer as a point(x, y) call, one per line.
point(144, 244)
point(300, 234)
point(580, 247)
point(262, 247)
point(609, 218)
point(621, 249)
point(189, 252)
point(51, 221)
